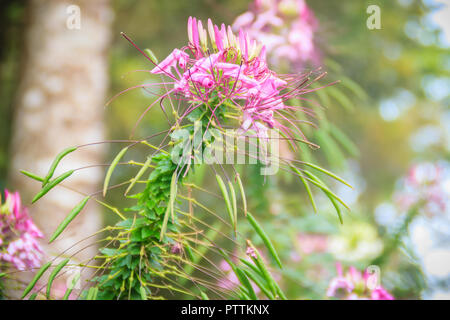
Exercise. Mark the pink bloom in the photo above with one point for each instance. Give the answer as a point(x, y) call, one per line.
point(286, 27)
point(233, 69)
point(18, 235)
point(426, 183)
point(251, 253)
point(177, 57)
point(355, 285)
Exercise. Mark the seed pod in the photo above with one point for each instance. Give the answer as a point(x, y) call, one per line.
point(35, 279)
point(111, 169)
point(54, 274)
point(55, 163)
point(75, 211)
point(50, 185)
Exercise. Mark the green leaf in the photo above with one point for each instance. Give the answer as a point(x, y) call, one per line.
point(327, 173)
point(341, 98)
point(307, 188)
point(340, 136)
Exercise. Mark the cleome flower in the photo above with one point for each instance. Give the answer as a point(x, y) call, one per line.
point(426, 184)
point(355, 285)
point(286, 27)
point(19, 244)
point(218, 68)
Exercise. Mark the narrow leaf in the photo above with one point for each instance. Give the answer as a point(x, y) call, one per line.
point(307, 188)
point(327, 173)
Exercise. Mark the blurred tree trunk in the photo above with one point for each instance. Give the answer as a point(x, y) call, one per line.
point(60, 103)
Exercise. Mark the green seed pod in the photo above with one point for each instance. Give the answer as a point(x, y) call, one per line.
point(55, 163)
point(50, 185)
point(36, 278)
point(75, 211)
point(54, 273)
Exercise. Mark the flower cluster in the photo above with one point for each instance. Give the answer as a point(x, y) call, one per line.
point(286, 27)
point(355, 285)
point(232, 72)
point(428, 183)
point(18, 234)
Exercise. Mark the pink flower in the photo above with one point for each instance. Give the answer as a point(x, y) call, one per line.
point(286, 27)
point(18, 235)
point(251, 253)
point(233, 69)
point(177, 57)
point(426, 183)
point(355, 285)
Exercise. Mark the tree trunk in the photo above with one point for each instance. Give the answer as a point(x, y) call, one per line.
point(60, 103)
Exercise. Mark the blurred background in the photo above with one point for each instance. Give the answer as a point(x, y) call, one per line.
point(58, 71)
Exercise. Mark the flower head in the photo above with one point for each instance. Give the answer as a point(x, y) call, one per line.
point(286, 27)
point(355, 285)
point(426, 184)
point(18, 234)
point(219, 68)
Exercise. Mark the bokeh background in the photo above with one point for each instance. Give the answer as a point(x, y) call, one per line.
point(392, 104)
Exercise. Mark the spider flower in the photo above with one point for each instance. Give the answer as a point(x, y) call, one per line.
point(426, 183)
point(219, 68)
point(355, 285)
point(19, 244)
point(286, 27)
